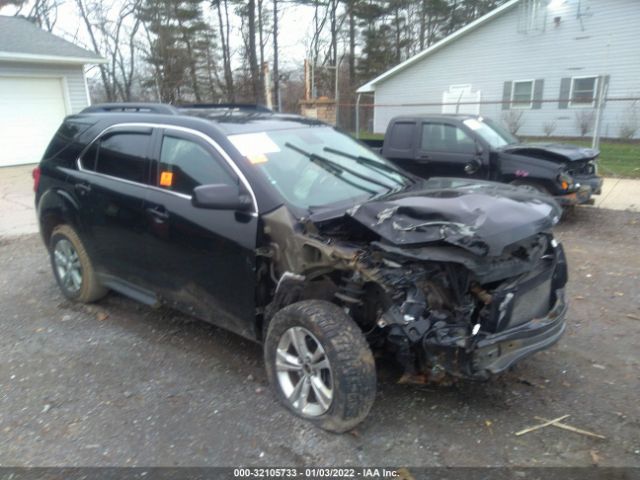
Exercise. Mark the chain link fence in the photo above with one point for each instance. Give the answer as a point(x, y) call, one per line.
point(612, 125)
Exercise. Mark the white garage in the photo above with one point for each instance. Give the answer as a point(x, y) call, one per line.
point(41, 81)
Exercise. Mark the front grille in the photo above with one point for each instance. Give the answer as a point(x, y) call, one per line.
point(533, 303)
point(520, 301)
point(582, 168)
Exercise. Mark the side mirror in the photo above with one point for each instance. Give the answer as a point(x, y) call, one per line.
point(221, 197)
point(472, 167)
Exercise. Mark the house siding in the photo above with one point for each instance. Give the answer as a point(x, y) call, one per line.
point(72, 75)
point(602, 42)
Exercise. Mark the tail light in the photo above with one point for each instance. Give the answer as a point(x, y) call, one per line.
point(36, 178)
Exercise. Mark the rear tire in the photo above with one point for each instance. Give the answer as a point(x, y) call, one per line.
point(72, 266)
point(332, 382)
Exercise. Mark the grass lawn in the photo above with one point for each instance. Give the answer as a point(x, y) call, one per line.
point(617, 158)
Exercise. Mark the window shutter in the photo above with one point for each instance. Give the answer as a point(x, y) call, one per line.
point(565, 91)
point(538, 90)
point(506, 96)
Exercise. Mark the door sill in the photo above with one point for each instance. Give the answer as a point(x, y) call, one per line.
point(130, 290)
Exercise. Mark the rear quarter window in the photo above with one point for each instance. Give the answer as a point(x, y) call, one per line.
point(65, 146)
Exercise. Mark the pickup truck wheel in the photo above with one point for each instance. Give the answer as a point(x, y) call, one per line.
point(320, 365)
point(72, 266)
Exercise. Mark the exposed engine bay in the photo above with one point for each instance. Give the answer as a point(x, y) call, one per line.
point(457, 280)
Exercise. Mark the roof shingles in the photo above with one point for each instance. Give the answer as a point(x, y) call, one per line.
point(19, 36)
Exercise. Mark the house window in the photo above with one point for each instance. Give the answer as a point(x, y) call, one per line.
point(522, 94)
point(583, 91)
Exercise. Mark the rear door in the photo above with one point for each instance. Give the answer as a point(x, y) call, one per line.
point(446, 150)
point(111, 185)
point(204, 258)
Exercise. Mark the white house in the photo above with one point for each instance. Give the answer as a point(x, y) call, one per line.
point(543, 63)
point(41, 81)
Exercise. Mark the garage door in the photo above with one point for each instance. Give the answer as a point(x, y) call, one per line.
point(31, 109)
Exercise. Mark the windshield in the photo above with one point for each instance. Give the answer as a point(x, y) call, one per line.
point(493, 134)
point(319, 166)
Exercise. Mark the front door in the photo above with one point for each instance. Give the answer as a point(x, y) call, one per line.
point(446, 150)
point(204, 258)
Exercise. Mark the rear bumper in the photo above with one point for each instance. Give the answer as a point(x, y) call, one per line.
point(495, 353)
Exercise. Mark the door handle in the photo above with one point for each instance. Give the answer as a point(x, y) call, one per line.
point(424, 157)
point(82, 188)
point(159, 213)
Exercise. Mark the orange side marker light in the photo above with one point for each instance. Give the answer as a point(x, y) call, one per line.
point(166, 179)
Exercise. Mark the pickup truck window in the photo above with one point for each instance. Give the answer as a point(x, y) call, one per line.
point(441, 137)
point(491, 133)
point(401, 135)
point(185, 165)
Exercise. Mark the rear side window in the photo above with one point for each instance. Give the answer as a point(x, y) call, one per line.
point(122, 155)
point(402, 135)
point(185, 165)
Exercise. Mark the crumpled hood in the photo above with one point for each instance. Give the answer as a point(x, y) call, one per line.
point(481, 217)
point(552, 151)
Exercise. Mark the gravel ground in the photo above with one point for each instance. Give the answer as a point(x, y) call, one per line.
point(118, 383)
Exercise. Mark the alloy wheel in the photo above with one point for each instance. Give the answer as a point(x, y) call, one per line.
point(68, 266)
point(304, 373)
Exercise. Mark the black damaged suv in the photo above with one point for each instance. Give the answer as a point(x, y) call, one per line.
point(290, 233)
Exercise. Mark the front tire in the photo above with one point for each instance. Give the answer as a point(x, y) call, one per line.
point(320, 365)
point(72, 266)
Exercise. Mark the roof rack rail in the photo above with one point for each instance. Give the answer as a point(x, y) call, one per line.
point(256, 107)
point(132, 108)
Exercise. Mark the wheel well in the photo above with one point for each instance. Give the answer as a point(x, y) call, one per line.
point(531, 183)
point(48, 222)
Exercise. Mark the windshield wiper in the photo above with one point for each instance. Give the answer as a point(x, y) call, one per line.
point(336, 168)
point(333, 170)
point(371, 163)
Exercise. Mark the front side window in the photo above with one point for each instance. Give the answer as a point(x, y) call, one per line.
point(522, 94)
point(583, 91)
point(185, 165)
point(441, 137)
point(122, 155)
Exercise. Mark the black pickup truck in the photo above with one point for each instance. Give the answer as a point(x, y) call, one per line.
point(474, 147)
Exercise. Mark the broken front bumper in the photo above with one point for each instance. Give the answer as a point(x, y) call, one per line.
point(593, 181)
point(582, 196)
point(526, 315)
point(495, 353)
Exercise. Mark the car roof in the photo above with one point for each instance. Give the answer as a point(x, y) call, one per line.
point(230, 119)
point(441, 116)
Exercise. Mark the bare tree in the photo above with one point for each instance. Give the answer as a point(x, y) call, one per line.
point(630, 123)
point(224, 27)
point(43, 12)
point(513, 120)
point(85, 15)
point(585, 120)
point(549, 127)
